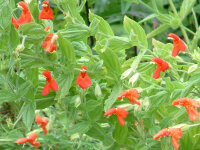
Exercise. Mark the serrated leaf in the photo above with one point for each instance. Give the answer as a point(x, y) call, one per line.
point(104, 27)
point(120, 133)
point(113, 96)
point(67, 49)
point(81, 127)
point(76, 32)
point(186, 7)
point(7, 96)
point(34, 32)
point(5, 14)
point(28, 114)
point(111, 61)
point(131, 25)
point(64, 83)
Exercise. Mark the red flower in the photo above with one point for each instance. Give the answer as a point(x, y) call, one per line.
point(46, 12)
point(119, 112)
point(50, 83)
point(131, 95)
point(49, 42)
point(83, 80)
point(178, 44)
point(190, 105)
point(47, 28)
point(175, 134)
point(31, 139)
point(42, 122)
point(161, 66)
point(24, 17)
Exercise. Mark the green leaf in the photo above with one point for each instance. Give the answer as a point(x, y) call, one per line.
point(169, 19)
point(14, 38)
point(34, 9)
point(34, 32)
point(7, 96)
point(113, 96)
point(76, 32)
point(94, 26)
point(186, 7)
point(96, 132)
point(28, 114)
point(158, 30)
point(120, 133)
point(5, 14)
point(43, 102)
point(111, 61)
point(96, 113)
point(158, 99)
point(104, 27)
point(81, 127)
point(131, 25)
point(64, 83)
point(33, 76)
point(67, 49)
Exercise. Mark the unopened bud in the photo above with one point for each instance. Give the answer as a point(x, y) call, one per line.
point(145, 103)
point(126, 73)
point(97, 90)
point(19, 48)
point(183, 126)
point(134, 78)
point(192, 68)
point(77, 101)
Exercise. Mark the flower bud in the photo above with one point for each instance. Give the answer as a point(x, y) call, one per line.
point(183, 126)
point(134, 78)
point(126, 73)
point(192, 68)
point(19, 48)
point(145, 103)
point(77, 101)
point(97, 90)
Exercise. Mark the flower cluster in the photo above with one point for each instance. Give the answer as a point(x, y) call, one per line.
point(131, 95)
point(84, 81)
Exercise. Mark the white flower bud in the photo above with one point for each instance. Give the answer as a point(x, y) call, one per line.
point(134, 78)
point(145, 103)
point(19, 48)
point(77, 101)
point(97, 90)
point(192, 68)
point(126, 73)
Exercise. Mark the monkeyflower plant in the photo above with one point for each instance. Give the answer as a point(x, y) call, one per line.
point(77, 74)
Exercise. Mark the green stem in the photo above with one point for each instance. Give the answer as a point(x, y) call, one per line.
point(143, 3)
point(188, 30)
point(195, 19)
point(83, 92)
point(182, 29)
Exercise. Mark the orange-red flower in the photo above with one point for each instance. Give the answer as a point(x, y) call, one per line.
point(47, 28)
point(119, 112)
point(50, 83)
point(175, 133)
point(24, 17)
point(190, 105)
point(83, 80)
point(178, 44)
point(46, 12)
point(131, 95)
point(42, 122)
point(49, 42)
point(31, 139)
point(161, 66)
